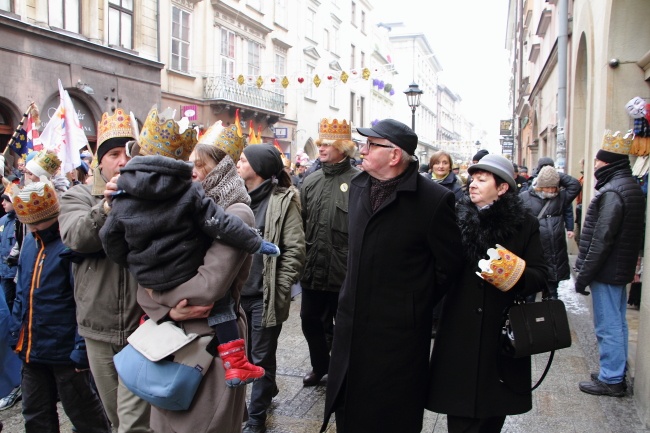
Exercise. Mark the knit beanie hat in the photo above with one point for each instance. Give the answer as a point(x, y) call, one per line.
point(480, 154)
point(264, 159)
point(548, 177)
point(36, 202)
point(109, 144)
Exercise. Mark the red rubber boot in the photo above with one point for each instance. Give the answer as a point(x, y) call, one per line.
point(238, 370)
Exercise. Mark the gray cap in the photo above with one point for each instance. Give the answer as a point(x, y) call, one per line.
point(496, 164)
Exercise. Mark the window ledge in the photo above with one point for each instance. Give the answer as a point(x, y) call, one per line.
point(180, 73)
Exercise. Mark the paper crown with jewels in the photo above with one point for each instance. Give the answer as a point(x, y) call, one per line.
point(337, 134)
point(617, 142)
point(44, 164)
point(118, 124)
point(334, 130)
point(162, 135)
point(503, 268)
point(227, 138)
point(35, 202)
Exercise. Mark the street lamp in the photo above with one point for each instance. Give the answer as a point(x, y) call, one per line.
point(413, 94)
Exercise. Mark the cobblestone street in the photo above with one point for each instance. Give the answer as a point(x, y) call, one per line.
point(558, 405)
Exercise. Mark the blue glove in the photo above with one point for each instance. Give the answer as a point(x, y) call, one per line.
point(269, 249)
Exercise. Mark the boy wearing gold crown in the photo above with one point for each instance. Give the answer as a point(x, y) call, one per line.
point(44, 325)
point(610, 241)
point(161, 225)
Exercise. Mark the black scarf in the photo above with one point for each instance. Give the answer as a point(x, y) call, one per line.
point(604, 174)
point(482, 229)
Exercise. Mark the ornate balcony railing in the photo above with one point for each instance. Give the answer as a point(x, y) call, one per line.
point(225, 90)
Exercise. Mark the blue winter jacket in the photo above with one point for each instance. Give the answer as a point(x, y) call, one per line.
point(44, 324)
point(7, 240)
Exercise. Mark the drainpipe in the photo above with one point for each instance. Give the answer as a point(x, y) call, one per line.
point(158, 29)
point(562, 44)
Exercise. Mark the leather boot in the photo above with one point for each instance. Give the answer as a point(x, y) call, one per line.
point(238, 370)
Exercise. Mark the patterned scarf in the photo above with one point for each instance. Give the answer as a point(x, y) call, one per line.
point(224, 186)
point(381, 190)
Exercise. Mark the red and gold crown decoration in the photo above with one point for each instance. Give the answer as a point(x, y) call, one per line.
point(118, 124)
point(617, 142)
point(227, 138)
point(35, 202)
point(334, 130)
point(503, 268)
point(162, 135)
point(44, 163)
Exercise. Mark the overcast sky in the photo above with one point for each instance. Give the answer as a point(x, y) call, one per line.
point(468, 38)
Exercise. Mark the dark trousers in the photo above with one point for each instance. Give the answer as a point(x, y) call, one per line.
point(314, 306)
point(40, 385)
point(9, 289)
point(458, 424)
point(262, 347)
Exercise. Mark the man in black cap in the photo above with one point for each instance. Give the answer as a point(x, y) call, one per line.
point(404, 254)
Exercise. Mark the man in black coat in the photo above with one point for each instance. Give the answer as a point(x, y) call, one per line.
point(404, 255)
point(609, 246)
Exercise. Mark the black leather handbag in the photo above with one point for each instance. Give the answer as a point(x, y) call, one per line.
point(536, 327)
point(533, 328)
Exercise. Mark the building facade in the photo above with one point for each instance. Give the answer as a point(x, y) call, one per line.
point(595, 53)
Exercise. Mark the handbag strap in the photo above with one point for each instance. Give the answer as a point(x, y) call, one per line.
point(543, 209)
point(539, 381)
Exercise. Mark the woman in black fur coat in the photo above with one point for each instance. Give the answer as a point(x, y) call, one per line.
point(470, 379)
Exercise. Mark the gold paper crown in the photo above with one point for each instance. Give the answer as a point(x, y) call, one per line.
point(618, 143)
point(334, 130)
point(119, 124)
point(35, 203)
point(225, 138)
point(44, 164)
point(503, 269)
point(163, 138)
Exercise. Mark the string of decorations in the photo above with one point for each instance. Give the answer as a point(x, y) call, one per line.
point(330, 78)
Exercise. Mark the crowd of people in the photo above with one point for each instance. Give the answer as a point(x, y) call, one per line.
point(215, 235)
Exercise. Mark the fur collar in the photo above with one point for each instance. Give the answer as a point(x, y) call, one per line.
point(481, 230)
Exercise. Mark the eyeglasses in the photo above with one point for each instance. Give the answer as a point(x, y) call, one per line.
point(368, 144)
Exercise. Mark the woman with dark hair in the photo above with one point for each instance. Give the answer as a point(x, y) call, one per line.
point(440, 165)
point(471, 380)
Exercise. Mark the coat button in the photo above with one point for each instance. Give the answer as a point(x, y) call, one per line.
point(479, 310)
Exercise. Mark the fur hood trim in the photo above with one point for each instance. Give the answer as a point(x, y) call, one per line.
point(483, 229)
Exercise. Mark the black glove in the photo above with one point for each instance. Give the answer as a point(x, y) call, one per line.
point(582, 291)
point(12, 261)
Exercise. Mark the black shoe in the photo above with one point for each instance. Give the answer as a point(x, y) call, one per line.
point(594, 377)
point(312, 379)
point(254, 428)
point(596, 387)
